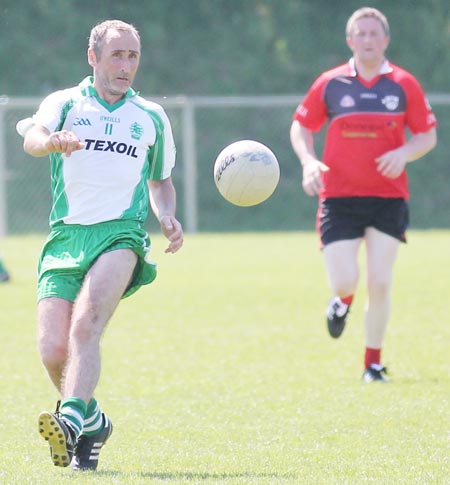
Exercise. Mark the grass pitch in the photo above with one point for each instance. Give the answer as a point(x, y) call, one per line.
point(222, 371)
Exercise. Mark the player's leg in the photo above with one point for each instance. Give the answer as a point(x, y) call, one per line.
point(96, 432)
point(100, 294)
point(382, 252)
point(341, 261)
point(4, 275)
point(53, 332)
point(54, 316)
point(103, 287)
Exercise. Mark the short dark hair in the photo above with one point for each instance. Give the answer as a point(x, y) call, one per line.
point(99, 31)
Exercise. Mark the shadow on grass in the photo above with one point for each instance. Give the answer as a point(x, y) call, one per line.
point(188, 476)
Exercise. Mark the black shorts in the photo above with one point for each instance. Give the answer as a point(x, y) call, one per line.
point(340, 218)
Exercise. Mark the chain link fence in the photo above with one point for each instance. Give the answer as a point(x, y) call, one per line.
point(202, 127)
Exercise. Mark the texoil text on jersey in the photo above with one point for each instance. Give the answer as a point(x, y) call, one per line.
point(110, 146)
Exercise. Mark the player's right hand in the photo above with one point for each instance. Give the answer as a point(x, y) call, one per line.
point(173, 231)
point(312, 176)
point(63, 142)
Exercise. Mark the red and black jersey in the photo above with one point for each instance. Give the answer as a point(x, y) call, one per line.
point(365, 120)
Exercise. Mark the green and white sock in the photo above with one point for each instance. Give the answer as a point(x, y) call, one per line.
point(93, 420)
point(73, 410)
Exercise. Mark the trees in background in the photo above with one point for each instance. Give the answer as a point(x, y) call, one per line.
point(216, 47)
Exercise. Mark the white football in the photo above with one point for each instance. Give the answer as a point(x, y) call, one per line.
point(246, 173)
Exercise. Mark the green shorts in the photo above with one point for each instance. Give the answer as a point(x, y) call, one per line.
point(71, 250)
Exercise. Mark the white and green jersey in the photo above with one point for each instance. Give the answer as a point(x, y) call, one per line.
point(125, 144)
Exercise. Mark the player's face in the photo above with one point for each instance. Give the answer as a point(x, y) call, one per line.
point(368, 41)
point(116, 67)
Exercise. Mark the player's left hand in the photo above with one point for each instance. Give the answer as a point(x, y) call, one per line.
point(172, 229)
point(391, 164)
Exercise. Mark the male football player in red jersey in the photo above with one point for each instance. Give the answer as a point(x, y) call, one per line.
point(361, 181)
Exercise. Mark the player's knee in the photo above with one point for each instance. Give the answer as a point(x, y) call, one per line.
point(53, 354)
point(85, 330)
point(345, 286)
point(379, 287)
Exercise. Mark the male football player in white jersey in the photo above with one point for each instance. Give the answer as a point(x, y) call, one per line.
point(111, 153)
point(4, 275)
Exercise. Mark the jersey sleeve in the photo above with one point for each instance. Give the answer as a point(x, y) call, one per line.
point(162, 154)
point(312, 111)
point(50, 111)
point(419, 115)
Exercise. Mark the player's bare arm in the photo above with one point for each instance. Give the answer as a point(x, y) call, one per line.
point(302, 141)
point(163, 203)
point(39, 142)
point(391, 164)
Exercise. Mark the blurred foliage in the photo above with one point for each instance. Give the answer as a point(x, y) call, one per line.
point(217, 47)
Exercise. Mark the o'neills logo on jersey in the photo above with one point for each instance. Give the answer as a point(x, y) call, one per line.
point(302, 111)
point(111, 146)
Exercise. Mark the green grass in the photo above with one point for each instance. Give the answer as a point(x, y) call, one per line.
point(222, 371)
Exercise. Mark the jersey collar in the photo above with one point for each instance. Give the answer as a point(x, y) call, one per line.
point(88, 89)
point(385, 68)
